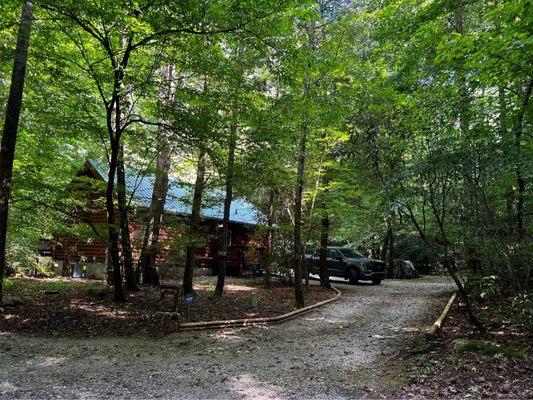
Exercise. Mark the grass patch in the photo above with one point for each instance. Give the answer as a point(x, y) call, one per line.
point(59, 286)
point(8, 284)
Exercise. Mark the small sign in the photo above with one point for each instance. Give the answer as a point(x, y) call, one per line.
point(254, 299)
point(188, 298)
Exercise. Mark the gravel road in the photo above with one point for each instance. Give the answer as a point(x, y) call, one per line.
point(334, 352)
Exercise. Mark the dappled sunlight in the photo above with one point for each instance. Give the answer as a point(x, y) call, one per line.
point(228, 288)
point(229, 334)
point(6, 387)
point(412, 329)
point(46, 361)
point(325, 319)
point(252, 388)
point(101, 310)
point(84, 308)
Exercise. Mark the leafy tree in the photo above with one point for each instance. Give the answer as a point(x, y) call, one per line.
point(11, 123)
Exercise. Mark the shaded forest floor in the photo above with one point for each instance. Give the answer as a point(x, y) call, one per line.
point(82, 308)
point(459, 363)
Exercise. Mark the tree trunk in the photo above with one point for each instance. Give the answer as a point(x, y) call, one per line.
point(385, 250)
point(131, 285)
point(115, 130)
point(324, 241)
point(195, 222)
point(298, 262)
point(219, 290)
point(464, 295)
point(298, 255)
point(509, 200)
point(390, 259)
point(150, 247)
point(464, 102)
point(520, 182)
point(270, 239)
point(9, 135)
point(113, 234)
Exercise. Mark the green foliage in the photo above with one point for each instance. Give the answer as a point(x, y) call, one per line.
point(55, 286)
point(415, 113)
point(488, 348)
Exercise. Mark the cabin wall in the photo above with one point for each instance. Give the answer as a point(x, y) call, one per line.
point(67, 250)
point(92, 250)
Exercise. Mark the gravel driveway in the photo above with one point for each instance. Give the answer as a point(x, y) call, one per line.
point(333, 352)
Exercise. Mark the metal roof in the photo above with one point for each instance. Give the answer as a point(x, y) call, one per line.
point(179, 196)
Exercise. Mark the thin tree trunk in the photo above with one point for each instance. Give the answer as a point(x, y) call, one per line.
point(385, 250)
point(464, 102)
point(131, 285)
point(115, 130)
point(270, 239)
point(150, 247)
point(298, 262)
point(449, 268)
point(390, 259)
point(298, 255)
point(154, 217)
point(219, 290)
point(112, 230)
point(195, 222)
point(520, 182)
point(9, 135)
point(324, 241)
point(464, 295)
point(503, 134)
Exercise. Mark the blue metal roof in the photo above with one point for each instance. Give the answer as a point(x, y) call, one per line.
point(179, 197)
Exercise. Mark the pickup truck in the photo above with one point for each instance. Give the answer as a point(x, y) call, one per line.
point(343, 262)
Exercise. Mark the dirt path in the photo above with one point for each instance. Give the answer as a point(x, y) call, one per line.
point(333, 352)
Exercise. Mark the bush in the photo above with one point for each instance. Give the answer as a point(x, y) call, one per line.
point(27, 262)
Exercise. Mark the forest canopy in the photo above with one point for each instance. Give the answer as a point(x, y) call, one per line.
point(398, 127)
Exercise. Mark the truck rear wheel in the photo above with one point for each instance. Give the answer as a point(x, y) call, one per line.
point(353, 277)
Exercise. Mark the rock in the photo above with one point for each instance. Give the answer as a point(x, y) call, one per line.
point(165, 315)
point(97, 291)
point(422, 349)
point(11, 301)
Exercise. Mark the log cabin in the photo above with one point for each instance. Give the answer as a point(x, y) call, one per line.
point(89, 248)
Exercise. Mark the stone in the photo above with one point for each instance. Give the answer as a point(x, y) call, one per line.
point(97, 291)
point(165, 315)
point(11, 301)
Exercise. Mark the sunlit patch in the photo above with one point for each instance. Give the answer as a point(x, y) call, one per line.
point(47, 361)
point(227, 334)
point(6, 386)
point(253, 388)
point(100, 310)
